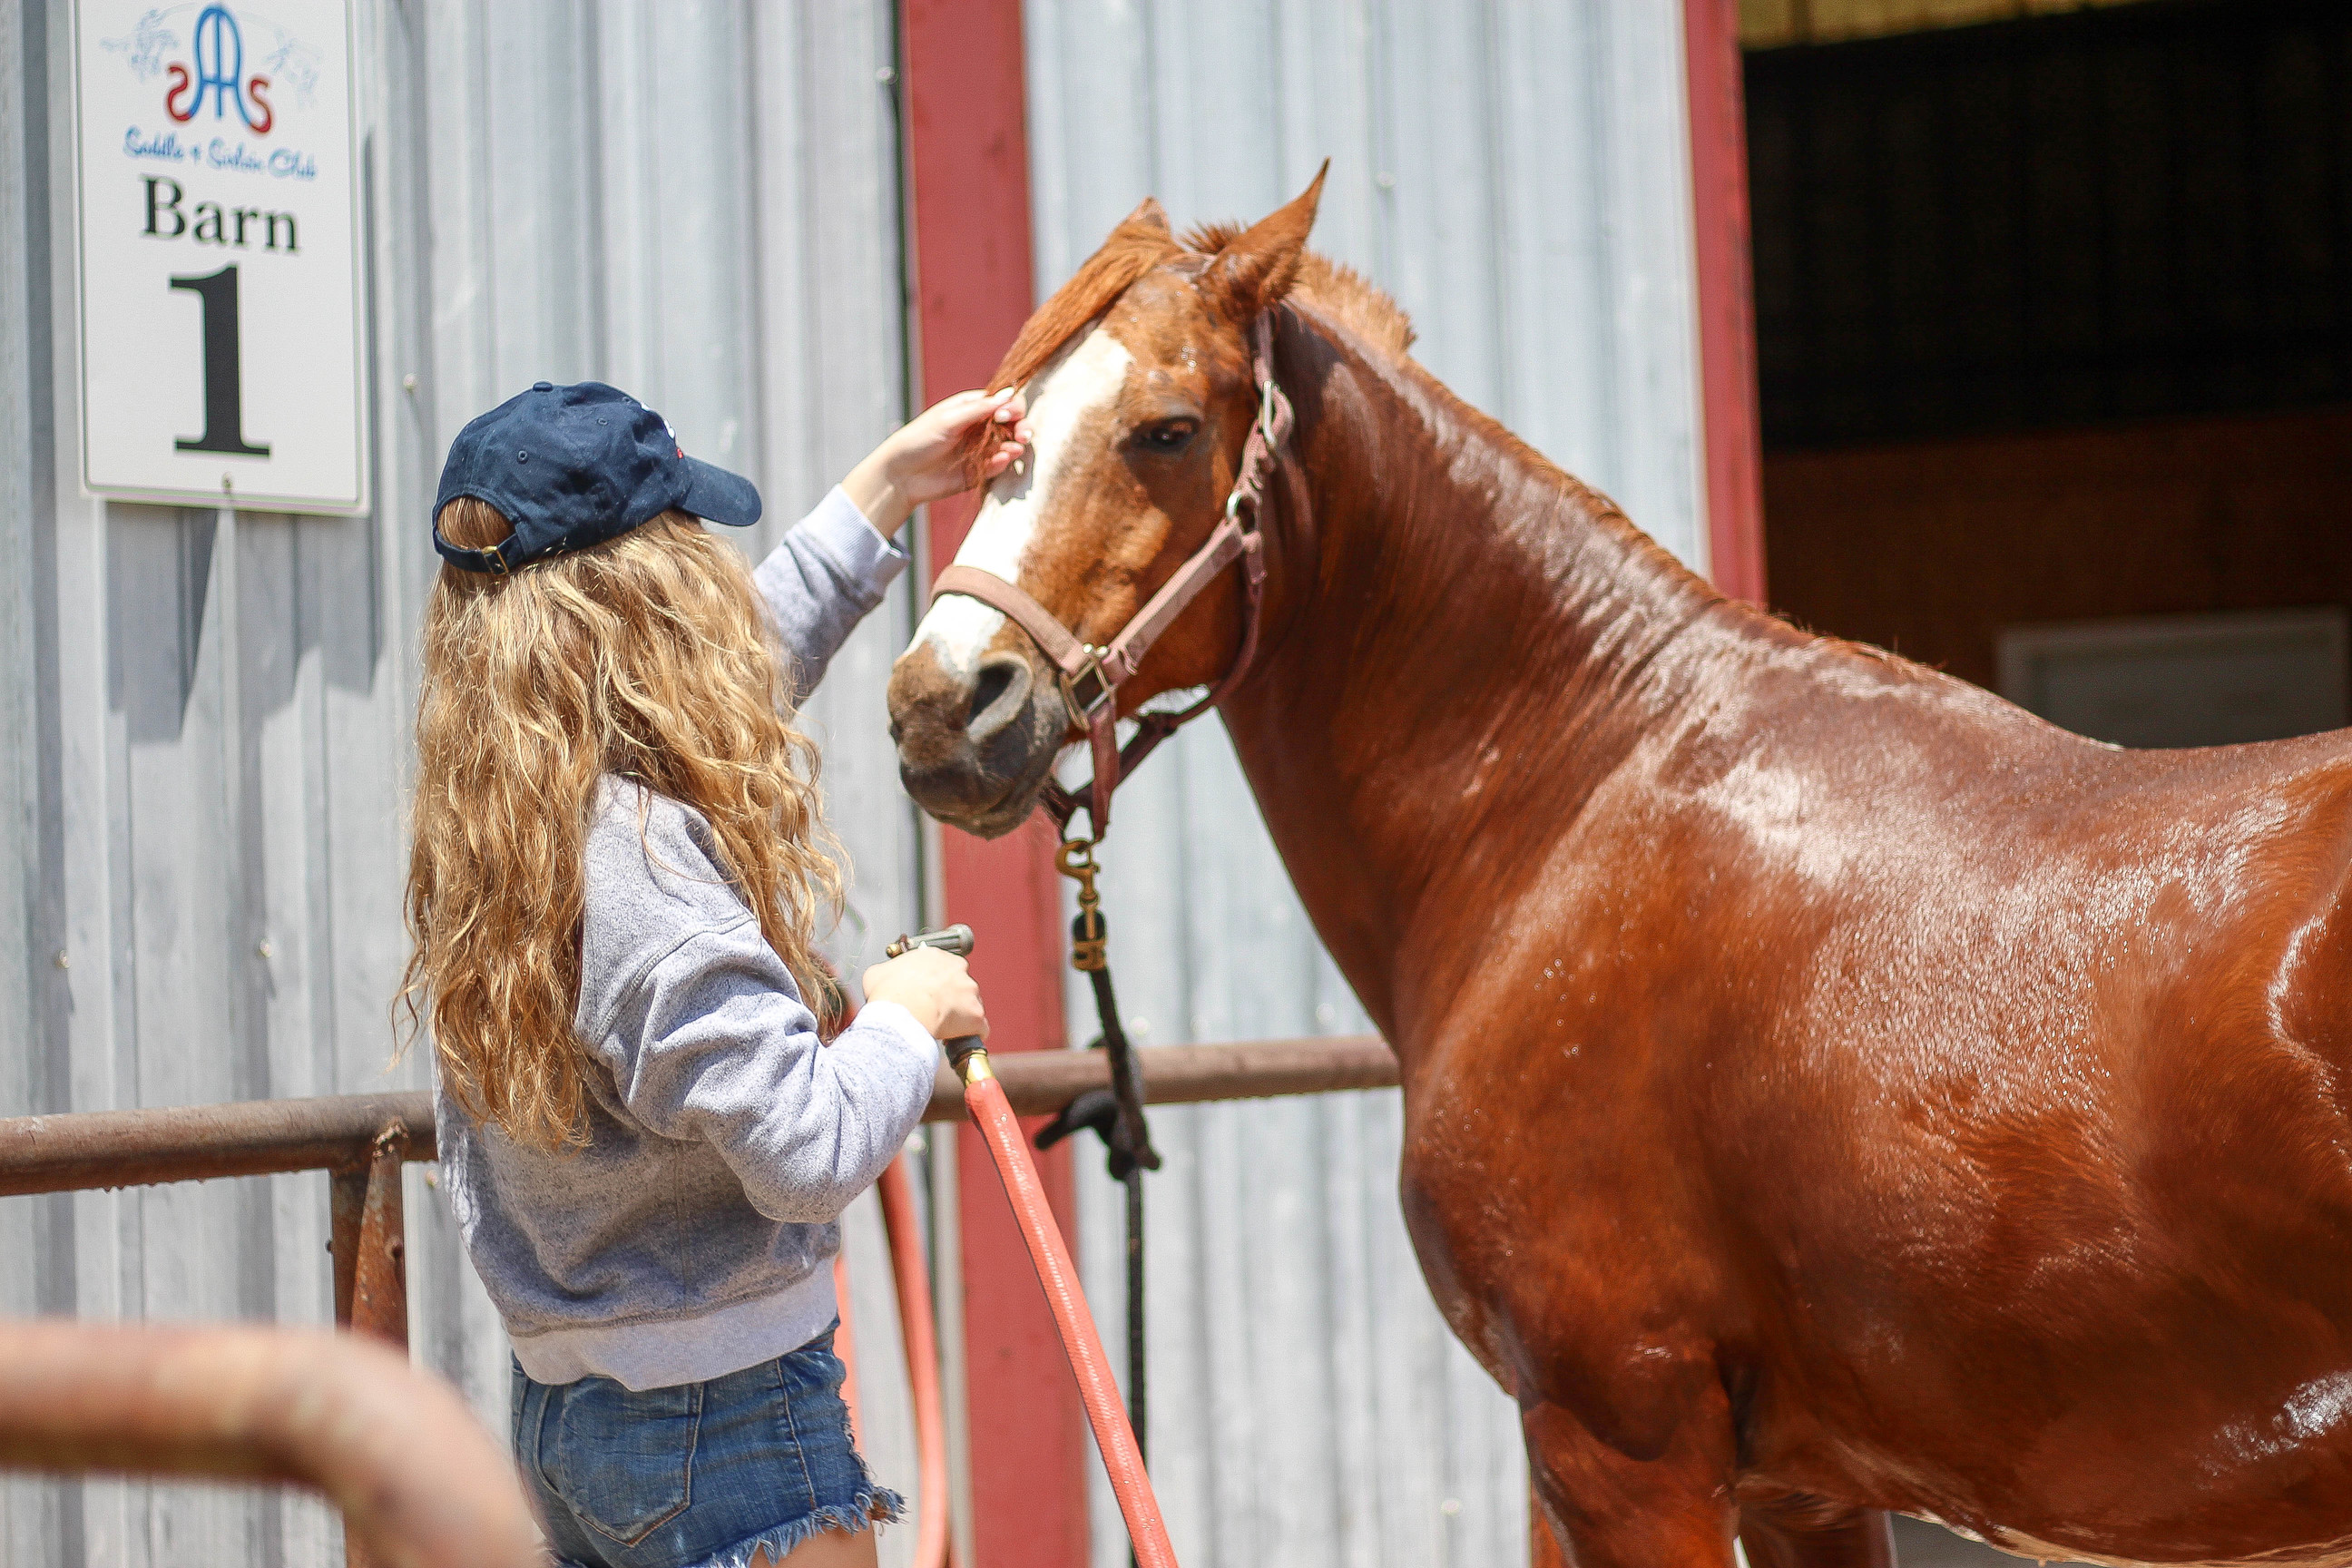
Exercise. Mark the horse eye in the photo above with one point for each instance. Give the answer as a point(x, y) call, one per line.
point(1166, 435)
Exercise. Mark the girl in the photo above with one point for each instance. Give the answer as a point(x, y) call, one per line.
point(616, 877)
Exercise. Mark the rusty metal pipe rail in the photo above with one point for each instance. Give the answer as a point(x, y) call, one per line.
point(134, 1147)
point(361, 1140)
point(1039, 1083)
point(358, 1140)
point(420, 1484)
point(92, 1149)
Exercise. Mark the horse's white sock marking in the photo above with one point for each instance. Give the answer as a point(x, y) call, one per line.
point(1082, 378)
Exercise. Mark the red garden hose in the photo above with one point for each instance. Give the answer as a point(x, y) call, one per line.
point(984, 1097)
point(1081, 1342)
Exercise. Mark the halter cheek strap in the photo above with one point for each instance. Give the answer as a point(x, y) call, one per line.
point(1091, 675)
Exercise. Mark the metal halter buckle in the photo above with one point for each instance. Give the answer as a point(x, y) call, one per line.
point(1265, 427)
point(1105, 688)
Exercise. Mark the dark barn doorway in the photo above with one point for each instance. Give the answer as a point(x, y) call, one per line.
point(2054, 335)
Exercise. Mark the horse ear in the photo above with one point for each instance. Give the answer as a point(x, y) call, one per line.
point(1256, 269)
point(1149, 217)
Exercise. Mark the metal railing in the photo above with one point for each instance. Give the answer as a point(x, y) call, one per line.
point(358, 1140)
point(131, 1422)
point(98, 1149)
point(419, 1483)
point(1040, 1083)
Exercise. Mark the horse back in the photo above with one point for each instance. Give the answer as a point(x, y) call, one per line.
point(2057, 984)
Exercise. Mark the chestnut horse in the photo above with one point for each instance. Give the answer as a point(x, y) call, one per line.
point(1828, 1088)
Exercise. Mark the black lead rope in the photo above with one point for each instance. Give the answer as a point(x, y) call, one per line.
point(1116, 1113)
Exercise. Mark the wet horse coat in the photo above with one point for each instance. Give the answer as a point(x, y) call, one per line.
point(1828, 1088)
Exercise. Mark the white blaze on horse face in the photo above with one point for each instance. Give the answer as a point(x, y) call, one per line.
point(1083, 378)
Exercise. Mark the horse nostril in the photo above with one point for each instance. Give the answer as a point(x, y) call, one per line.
point(998, 695)
point(991, 685)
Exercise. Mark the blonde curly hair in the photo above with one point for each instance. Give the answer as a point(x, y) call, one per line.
point(648, 658)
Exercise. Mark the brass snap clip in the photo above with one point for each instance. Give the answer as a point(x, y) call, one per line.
point(1088, 935)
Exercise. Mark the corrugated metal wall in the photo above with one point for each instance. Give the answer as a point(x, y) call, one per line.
point(204, 716)
point(1516, 172)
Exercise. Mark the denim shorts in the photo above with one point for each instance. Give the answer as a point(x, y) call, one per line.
point(698, 1476)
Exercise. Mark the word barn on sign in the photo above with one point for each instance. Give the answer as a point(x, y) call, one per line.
point(222, 326)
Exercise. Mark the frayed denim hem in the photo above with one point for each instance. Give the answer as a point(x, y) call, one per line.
point(877, 1505)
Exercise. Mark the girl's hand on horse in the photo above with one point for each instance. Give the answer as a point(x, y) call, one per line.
point(936, 987)
point(929, 459)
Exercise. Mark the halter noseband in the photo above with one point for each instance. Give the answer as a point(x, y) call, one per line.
point(1091, 675)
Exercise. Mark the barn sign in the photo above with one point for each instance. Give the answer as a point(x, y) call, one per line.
point(215, 157)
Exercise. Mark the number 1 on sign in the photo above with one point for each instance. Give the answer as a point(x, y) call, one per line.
point(224, 369)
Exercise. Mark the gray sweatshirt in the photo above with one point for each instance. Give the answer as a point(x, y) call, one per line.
point(693, 1236)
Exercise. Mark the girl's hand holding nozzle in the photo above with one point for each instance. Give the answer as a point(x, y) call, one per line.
point(935, 987)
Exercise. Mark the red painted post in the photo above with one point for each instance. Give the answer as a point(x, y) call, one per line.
point(1726, 306)
point(967, 162)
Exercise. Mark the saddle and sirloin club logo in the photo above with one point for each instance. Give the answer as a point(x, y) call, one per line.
point(221, 290)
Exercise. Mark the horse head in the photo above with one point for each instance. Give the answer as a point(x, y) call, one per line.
point(1138, 376)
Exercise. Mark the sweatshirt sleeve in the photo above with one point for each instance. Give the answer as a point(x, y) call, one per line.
point(821, 580)
point(713, 1044)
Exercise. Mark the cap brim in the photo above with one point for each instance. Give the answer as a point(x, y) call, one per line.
point(715, 494)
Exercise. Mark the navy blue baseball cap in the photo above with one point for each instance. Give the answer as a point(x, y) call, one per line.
point(573, 466)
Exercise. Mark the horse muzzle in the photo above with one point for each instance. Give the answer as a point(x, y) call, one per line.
point(975, 750)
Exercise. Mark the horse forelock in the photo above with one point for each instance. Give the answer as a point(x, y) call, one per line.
point(1132, 250)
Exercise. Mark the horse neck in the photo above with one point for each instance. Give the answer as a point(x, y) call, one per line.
point(1482, 641)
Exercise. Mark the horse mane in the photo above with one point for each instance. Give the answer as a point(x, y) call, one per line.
point(1143, 242)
